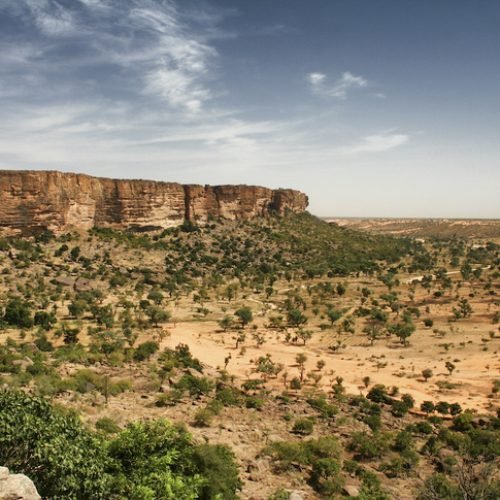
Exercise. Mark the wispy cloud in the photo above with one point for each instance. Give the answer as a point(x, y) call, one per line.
point(377, 143)
point(155, 47)
point(339, 88)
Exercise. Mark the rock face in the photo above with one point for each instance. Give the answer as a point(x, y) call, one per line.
point(16, 486)
point(32, 201)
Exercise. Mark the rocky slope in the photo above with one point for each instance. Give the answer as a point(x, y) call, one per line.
point(31, 201)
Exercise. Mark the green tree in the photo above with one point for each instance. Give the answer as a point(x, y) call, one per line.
point(18, 313)
point(151, 461)
point(301, 359)
point(427, 374)
point(157, 315)
point(333, 315)
point(296, 318)
point(245, 315)
point(53, 449)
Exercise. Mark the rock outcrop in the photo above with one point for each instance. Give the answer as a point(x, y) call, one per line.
point(32, 201)
point(16, 486)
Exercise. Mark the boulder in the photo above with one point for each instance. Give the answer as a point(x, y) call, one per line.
point(16, 486)
point(351, 490)
point(296, 495)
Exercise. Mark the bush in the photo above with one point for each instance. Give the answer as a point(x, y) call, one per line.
point(303, 426)
point(107, 425)
point(325, 476)
point(18, 313)
point(203, 417)
point(44, 344)
point(145, 350)
point(368, 447)
point(53, 449)
point(151, 460)
point(228, 396)
point(216, 464)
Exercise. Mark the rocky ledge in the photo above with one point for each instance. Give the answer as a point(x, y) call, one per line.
point(32, 201)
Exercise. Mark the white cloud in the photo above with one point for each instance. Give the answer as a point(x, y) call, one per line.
point(316, 78)
point(377, 143)
point(339, 88)
point(51, 17)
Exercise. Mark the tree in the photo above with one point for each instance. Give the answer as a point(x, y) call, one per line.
point(218, 466)
point(145, 350)
point(152, 460)
point(267, 367)
point(226, 323)
point(231, 291)
point(403, 330)
point(333, 315)
point(443, 407)
point(45, 320)
point(18, 313)
point(240, 338)
point(70, 335)
point(245, 315)
point(156, 296)
point(450, 367)
point(296, 318)
point(427, 374)
point(157, 315)
point(301, 359)
point(77, 308)
point(373, 332)
point(304, 335)
point(53, 449)
point(427, 407)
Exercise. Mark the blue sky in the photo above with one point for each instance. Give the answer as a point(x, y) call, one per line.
point(373, 108)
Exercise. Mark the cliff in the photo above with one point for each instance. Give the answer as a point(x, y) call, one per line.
point(32, 201)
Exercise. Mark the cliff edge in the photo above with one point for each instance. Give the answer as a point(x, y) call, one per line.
point(32, 201)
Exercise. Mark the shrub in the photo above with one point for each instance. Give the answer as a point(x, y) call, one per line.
point(325, 476)
point(228, 396)
point(220, 472)
point(367, 447)
point(18, 313)
point(303, 426)
point(107, 425)
point(203, 417)
point(152, 460)
point(53, 449)
point(145, 350)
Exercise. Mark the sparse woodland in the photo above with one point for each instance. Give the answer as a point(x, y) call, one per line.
point(248, 360)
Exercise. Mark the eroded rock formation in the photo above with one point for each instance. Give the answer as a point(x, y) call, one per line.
point(31, 201)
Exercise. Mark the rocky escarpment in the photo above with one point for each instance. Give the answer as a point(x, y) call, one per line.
point(32, 201)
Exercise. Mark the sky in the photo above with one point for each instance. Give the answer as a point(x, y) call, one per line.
point(387, 108)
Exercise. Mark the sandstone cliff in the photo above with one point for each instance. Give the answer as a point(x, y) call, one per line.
point(31, 201)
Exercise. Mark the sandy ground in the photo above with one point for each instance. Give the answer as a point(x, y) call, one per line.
point(470, 349)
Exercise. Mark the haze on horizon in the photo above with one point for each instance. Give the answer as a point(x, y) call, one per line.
point(374, 109)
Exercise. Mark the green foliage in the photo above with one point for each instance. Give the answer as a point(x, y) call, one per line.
point(150, 461)
point(18, 313)
point(245, 315)
point(217, 466)
point(303, 426)
point(145, 350)
point(368, 447)
point(53, 449)
point(45, 320)
point(180, 357)
point(286, 453)
point(107, 425)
